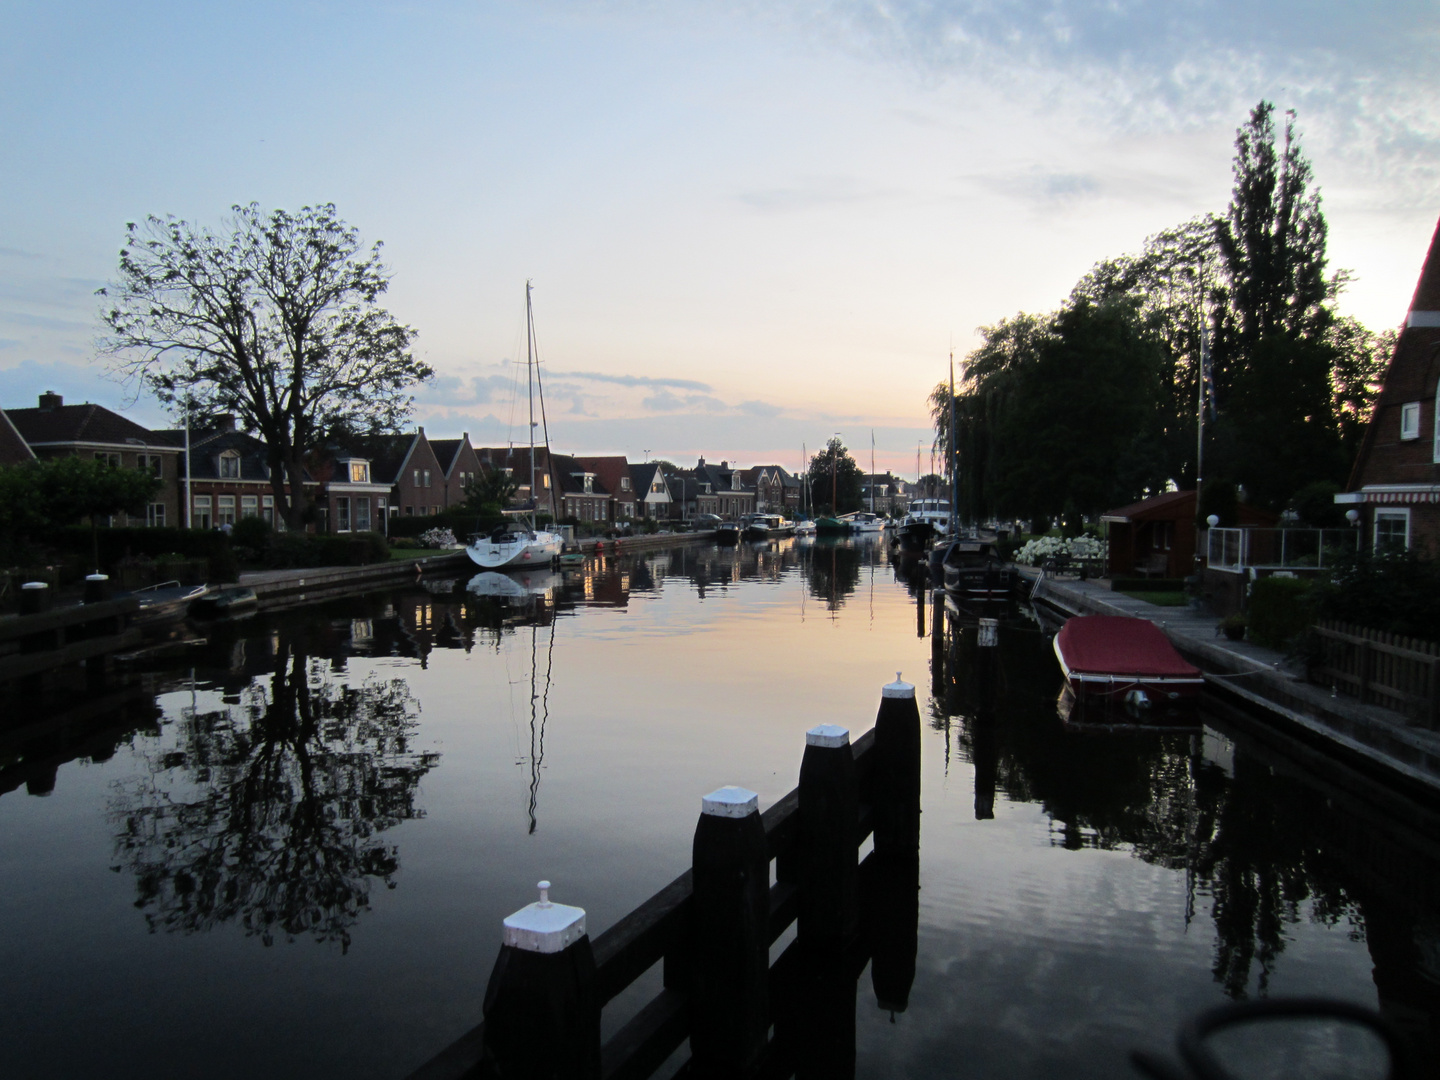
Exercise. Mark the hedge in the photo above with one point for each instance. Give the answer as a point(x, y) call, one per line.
point(1280, 610)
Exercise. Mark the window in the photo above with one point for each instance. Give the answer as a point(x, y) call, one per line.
point(409, 511)
point(415, 478)
point(426, 474)
point(624, 483)
point(224, 510)
point(249, 506)
point(359, 472)
point(155, 515)
point(589, 484)
point(362, 514)
point(547, 475)
point(149, 463)
point(113, 460)
point(230, 465)
point(267, 509)
point(1392, 529)
point(434, 510)
point(1410, 420)
point(200, 515)
point(342, 513)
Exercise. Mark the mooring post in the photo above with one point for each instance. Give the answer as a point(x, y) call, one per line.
point(987, 638)
point(34, 597)
point(729, 1005)
point(897, 771)
point(542, 1008)
point(97, 588)
point(829, 821)
point(937, 641)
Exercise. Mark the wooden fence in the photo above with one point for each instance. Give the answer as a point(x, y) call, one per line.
point(1398, 672)
point(712, 928)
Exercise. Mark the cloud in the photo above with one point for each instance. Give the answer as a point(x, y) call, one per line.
point(759, 408)
point(820, 192)
point(632, 380)
point(668, 402)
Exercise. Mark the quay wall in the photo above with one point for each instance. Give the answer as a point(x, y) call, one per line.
point(1372, 739)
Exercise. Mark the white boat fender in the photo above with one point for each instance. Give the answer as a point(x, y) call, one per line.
point(1138, 698)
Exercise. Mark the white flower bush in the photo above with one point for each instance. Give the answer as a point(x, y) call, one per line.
point(1036, 551)
point(438, 538)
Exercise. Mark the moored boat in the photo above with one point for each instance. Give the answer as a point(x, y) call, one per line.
point(973, 570)
point(829, 526)
point(225, 602)
point(1118, 658)
point(864, 522)
point(727, 532)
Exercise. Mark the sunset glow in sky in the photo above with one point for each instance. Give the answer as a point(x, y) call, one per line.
point(750, 225)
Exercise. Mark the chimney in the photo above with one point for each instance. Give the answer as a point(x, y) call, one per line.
point(51, 400)
point(420, 431)
point(225, 422)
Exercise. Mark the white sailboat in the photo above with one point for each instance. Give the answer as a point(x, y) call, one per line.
point(518, 543)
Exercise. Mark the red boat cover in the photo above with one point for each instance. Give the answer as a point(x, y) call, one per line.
point(1118, 645)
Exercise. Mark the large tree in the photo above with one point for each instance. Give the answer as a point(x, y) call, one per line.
point(835, 480)
point(274, 319)
point(1276, 353)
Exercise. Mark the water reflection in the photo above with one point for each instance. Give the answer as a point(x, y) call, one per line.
point(269, 812)
point(1262, 844)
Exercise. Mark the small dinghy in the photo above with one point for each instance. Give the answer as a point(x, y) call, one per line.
point(1114, 657)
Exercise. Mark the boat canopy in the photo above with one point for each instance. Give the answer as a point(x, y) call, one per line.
point(1122, 646)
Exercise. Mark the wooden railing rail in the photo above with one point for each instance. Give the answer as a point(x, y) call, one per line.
point(1399, 672)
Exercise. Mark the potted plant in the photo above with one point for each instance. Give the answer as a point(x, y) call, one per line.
point(1233, 626)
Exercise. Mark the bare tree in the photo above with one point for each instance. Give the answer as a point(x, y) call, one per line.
point(274, 320)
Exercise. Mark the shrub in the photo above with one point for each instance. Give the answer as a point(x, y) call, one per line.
point(404, 543)
point(251, 532)
point(368, 547)
point(1396, 592)
point(437, 538)
point(1280, 610)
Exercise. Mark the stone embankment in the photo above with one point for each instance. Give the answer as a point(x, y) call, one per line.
point(1374, 740)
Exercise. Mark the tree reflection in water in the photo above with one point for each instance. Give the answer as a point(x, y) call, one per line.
point(1263, 848)
point(269, 812)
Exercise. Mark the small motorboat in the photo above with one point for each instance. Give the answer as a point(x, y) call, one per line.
point(167, 601)
point(728, 533)
point(805, 528)
point(974, 571)
point(1123, 659)
point(225, 603)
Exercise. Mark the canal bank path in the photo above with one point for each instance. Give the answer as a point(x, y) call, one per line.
point(1377, 740)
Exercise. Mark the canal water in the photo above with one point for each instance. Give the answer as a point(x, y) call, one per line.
point(287, 851)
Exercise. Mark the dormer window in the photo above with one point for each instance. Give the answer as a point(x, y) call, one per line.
point(624, 483)
point(230, 465)
point(589, 484)
point(359, 472)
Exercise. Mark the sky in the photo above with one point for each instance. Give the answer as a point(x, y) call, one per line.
point(750, 225)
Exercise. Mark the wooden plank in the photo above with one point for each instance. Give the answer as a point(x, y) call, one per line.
point(629, 948)
point(14, 667)
point(20, 626)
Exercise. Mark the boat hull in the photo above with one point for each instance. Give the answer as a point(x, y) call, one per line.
point(536, 549)
point(1107, 657)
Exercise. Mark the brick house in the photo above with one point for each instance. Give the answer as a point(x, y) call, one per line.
point(14, 450)
point(229, 474)
point(1394, 486)
point(612, 475)
point(459, 463)
point(53, 429)
point(722, 491)
point(776, 490)
point(408, 466)
point(515, 460)
point(583, 496)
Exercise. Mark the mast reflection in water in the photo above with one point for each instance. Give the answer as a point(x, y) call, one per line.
point(366, 776)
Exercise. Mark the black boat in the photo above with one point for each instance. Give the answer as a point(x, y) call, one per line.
point(727, 532)
point(973, 571)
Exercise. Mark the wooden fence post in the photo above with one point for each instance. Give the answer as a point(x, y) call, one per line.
point(829, 821)
point(897, 771)
point(542, 1008)
point(729, 1004)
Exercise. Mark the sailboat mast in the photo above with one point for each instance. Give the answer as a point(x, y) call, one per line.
point(530, 388)
point(872, 470)
point(954, 456)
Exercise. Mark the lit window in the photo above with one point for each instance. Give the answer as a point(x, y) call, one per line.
point(1392, 529)
point(359, 472)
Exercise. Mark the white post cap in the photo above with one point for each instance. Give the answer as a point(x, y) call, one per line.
point(827, 735)
point(898, 689)
point(731, 802)
point(97, 577)
point(36, 585)
point(544, 926)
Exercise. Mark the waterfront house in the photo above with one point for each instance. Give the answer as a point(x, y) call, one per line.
point(1394, 487)
point(612, 476)
point(776, 490)
point(459, 464)
point(652, 493)
point(229, 473)
point(1155, 537)
point(514, 461)
point(722, 491)
point(583, 496)
point(53, 429)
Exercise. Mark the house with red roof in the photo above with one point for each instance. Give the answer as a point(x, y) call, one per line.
point(1394, 487)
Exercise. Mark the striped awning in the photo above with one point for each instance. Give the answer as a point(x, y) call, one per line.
point(1409, 497)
